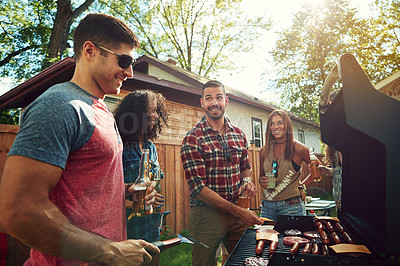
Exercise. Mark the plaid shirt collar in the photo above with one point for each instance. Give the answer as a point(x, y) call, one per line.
point(206, 126)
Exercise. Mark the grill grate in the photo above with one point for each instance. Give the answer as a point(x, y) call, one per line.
point(246, 247)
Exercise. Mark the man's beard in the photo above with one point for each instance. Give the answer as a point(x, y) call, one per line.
point(214, 117)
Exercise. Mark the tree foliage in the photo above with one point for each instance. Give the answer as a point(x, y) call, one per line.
point(202, 36)
point(34, 34)
point(10, 116)
point(306, 52)
point(24, 34)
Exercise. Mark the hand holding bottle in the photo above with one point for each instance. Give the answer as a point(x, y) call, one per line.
point(142, 188)
point(159, 199)
point(315, 174)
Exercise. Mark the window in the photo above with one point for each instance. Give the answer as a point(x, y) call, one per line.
point(302, 136)
point(257, 131)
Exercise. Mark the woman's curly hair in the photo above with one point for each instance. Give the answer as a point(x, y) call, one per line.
point(131, 116)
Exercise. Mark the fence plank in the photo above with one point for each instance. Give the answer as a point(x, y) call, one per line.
point(7, 137)
point(170, 189)
point(179, 197)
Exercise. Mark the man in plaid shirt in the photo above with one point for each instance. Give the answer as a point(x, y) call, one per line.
point(215, 159)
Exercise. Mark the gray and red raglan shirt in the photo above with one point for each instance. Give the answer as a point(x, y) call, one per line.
point(72, 129)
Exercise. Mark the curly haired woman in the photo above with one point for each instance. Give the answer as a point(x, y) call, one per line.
point(140, 118)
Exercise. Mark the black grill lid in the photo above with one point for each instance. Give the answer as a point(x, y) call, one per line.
point(364, 125)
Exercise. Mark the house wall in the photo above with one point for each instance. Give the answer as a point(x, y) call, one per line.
point(182, 118)
point(240, 115)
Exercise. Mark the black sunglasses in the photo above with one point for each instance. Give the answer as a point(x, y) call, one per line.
point(275, 168)
point(124, 61)
point(228, 155)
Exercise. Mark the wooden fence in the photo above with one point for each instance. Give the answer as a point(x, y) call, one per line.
point(175, 191)
point(7, 136)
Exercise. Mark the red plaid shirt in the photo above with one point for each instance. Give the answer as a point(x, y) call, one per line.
point(206, 164)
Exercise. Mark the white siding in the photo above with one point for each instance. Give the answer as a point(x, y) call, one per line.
point(240, 115)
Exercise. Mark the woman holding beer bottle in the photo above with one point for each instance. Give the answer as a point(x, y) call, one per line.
point(140, 118)
point(280, 162)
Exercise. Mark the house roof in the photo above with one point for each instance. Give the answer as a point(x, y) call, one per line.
point(62, 71)
point(390, 85)
point(23, 94)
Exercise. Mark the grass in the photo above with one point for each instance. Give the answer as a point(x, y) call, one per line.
point(180, 255)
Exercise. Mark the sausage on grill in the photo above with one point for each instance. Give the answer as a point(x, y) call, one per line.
point(347, 237)
point(307, 248)
point(272, 247)
point(260, 247)
point(339, 227)
point(320, 226)
point(325, 238)
point(329, 226)
point(295, 248)
point(336, 238)
point(315, 249)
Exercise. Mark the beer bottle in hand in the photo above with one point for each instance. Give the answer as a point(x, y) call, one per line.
point(316, 175)
point(157, 178)
point(140, 207)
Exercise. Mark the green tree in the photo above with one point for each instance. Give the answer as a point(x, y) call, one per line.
point(10, 116)
point(34, 34)
point(201, 36)
point(306, 52)
point(379, 43)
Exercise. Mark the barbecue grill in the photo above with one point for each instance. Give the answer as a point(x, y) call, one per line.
point(364, 125)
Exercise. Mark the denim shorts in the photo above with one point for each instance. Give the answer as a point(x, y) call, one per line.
point(293, 206)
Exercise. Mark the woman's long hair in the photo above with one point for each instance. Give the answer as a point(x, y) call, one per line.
point(131, 116)
point(329, 155)
point(269, 139)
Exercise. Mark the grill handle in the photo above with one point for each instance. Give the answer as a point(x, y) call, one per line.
point(327, 87)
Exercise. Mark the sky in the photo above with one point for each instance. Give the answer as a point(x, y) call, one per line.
point(255, 69)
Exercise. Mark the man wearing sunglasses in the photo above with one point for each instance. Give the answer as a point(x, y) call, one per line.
point(215, 159)
point(62, 189)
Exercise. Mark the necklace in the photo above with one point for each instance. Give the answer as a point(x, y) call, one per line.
point(279, 142)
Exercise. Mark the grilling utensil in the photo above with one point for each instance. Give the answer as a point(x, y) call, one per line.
point(165, 244)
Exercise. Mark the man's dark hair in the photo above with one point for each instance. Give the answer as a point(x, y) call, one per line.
point(131, 116)
point(104, 30)
point(212, 84)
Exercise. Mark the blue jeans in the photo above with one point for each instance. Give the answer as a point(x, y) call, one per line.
point(272, 209)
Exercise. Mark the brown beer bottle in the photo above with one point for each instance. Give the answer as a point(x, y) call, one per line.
point(157, 177)
point(316, 175)
point(140, 207)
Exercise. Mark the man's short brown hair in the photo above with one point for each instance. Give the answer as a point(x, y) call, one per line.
point(104, 30)
point(212, 84)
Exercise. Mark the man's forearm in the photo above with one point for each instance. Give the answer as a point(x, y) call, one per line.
point(47, 230)
point(212, 199)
